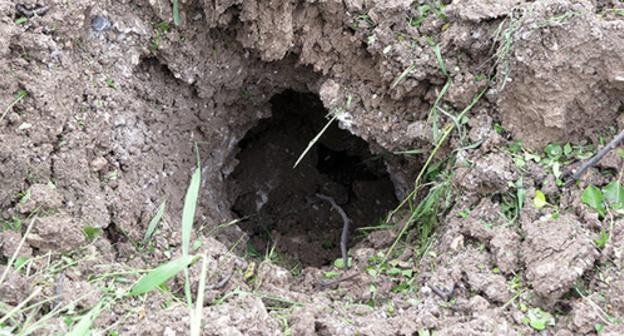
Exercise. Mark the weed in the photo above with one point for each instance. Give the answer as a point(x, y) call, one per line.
point(503, 37)
point(439, 198)
point(18, 97)
point(164, 272)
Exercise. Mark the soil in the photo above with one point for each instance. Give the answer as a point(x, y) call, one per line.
point(106, 106)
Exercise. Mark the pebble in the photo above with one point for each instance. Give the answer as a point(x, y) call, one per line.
point(98, 164)
point(100, 23)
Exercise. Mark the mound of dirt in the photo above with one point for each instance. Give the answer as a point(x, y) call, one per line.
point(106, 106)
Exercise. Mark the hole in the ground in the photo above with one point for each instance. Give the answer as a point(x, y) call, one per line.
point(280, 202)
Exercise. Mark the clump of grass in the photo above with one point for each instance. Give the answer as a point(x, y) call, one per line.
point(166, 271)
point(437, 178)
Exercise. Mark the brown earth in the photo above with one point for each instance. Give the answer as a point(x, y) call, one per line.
point(118, 98)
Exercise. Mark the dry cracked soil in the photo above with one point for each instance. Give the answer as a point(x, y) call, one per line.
point(451, 112)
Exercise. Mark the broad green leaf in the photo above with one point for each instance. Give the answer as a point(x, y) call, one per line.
point(614, 193)
point(339, 263)
point(539, 319)
point(540, 200)
point(567, 149)
point(593, 197)
point(159, 275)
point(537, 325)
point(553, 150)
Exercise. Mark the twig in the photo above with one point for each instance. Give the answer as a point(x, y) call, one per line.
point(323, 284)
point(345, 228)
point(221, 283)
point(444, 294)
point(35, 12)
point(596, 157)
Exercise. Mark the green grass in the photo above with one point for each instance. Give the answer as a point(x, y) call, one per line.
point(18, 97)
point(437, 178)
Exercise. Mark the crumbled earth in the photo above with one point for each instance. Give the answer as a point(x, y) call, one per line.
point(106, 106)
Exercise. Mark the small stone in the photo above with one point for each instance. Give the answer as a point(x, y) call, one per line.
point(100, 23)
point(425, 291)
point(457, 242)
point(98, 164)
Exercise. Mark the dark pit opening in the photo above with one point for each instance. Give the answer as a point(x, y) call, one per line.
point(280, 203)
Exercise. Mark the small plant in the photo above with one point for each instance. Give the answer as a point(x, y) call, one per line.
point(610, 197)
point(18, 97)
point(539, 319)
point(166, 271)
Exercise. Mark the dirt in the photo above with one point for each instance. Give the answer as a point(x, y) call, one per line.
point(106, 106)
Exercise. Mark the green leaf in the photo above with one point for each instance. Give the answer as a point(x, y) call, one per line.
point(538, 325)
point(339, 263)
point(197, 244)
point(540, 200)
point(438, 54)
point(614, 193)
point(567, 149)
point(394, 271)
point(152, 225)
point(330, 275)
point(176, 13)
point(20, 261)
point(539, 319)
point(553, 150)
point(515, 147)
point(399, 287)
point(91, 232)
point(602, 241)
point(521, 197)
point(593, 197)
point(110, 83)
point(82, 327)
point(159, 275)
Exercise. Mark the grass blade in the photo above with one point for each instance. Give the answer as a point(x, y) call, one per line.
point(176, 14)
point(188, 213)
point(160, 274)
point(82, 328)
point(154, 222)
point(403, 75)
point(318, 136)
point(438, 54)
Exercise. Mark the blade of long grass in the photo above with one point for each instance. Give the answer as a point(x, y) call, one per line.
point(318, 136)
point(188, 212)
point(154, 222)
point(403, 75)
point(82, 328)
point(20, 95)
point(176, 13)
point(19, 247)
point(438, 54)
point(196, 315)
point(160, 274)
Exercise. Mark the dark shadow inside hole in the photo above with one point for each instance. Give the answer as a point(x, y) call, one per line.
point(280, 202)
